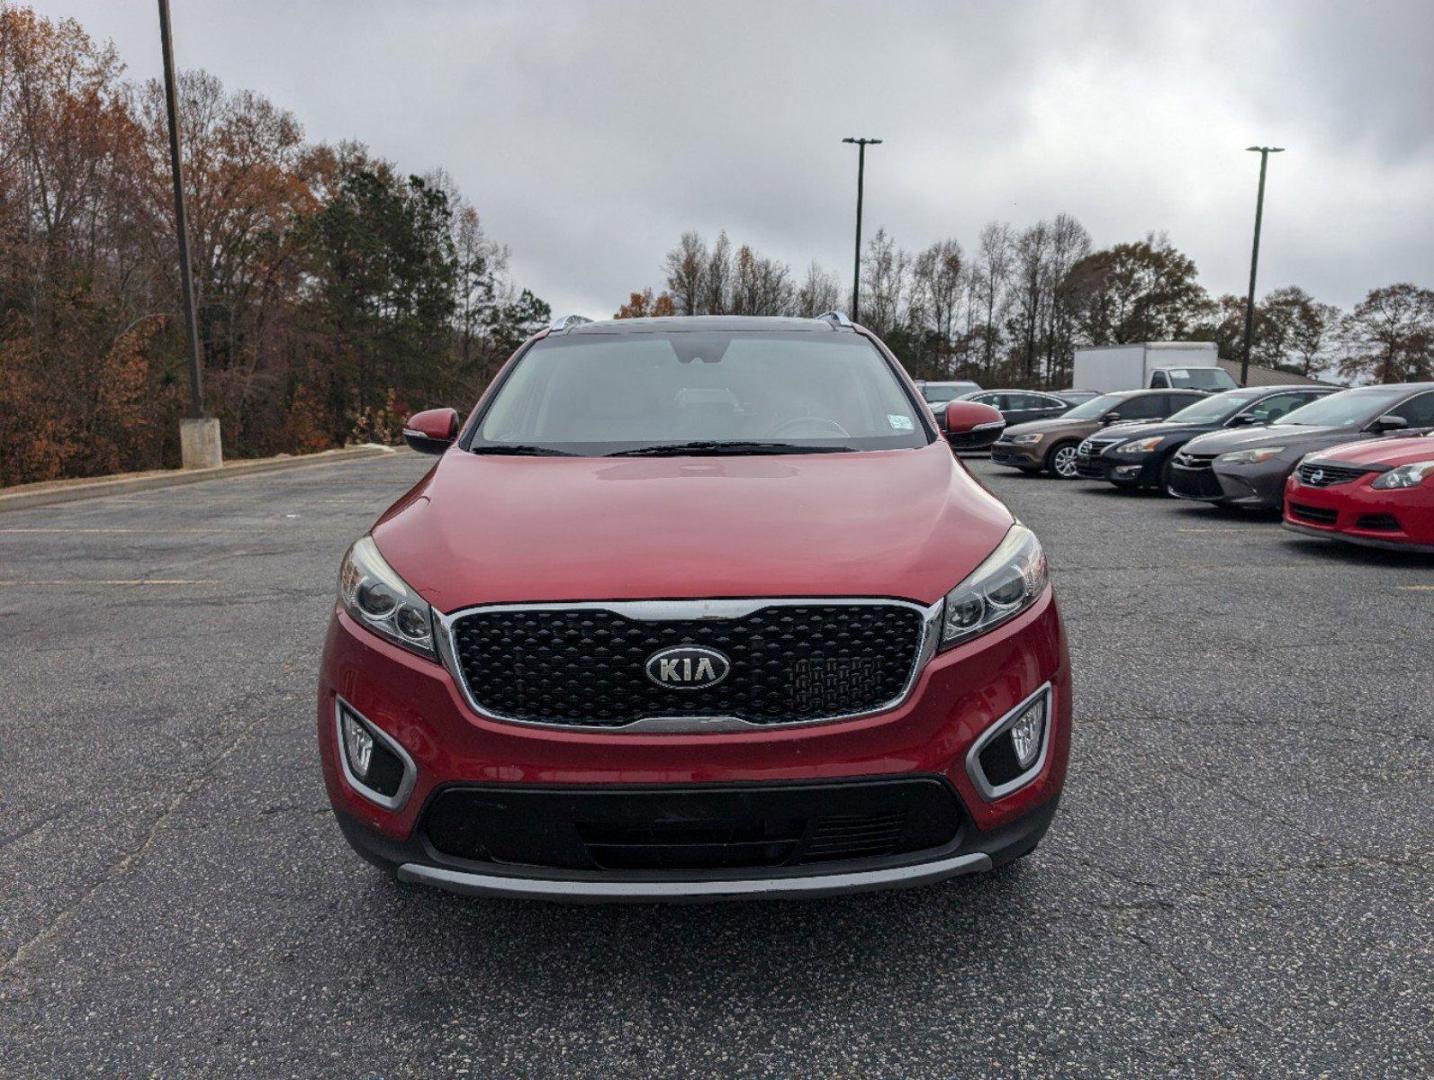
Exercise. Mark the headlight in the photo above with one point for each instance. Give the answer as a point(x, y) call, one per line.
point(1025, 440)
point(1406, 476)
point(1010, 580)
point(1251, 457)
point(373, 594)
point(1140, 446)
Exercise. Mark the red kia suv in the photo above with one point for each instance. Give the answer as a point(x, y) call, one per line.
point(694, 608)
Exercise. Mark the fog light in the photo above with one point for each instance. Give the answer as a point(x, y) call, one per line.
point(1026, 733)
point(358, 745)
point(374, 763)
point(1010, 753)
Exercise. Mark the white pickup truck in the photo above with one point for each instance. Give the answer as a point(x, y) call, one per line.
point(1184, 365)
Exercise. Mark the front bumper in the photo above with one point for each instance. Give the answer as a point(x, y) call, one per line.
point(1396, 520)
point(1019, 455)
point(1255, 487)
point(1122, 471)
point(957, 697)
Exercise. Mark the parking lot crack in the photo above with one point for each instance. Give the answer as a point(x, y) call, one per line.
point(129, 859)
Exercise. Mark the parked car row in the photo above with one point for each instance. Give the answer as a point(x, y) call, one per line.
point(1050, 444)
point(1260, 448)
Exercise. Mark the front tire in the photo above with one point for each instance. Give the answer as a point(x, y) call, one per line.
point(1061, 461)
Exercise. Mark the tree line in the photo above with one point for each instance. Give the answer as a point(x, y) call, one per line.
point(334, 292)
point(1013, 310)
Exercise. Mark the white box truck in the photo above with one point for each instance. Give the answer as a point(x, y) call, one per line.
point(1188, 365)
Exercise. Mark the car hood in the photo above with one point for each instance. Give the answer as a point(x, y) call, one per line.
point(1056, 423)
point(493, 529)
point(1158, 427)
point(1389, 450)
point(1293, 436)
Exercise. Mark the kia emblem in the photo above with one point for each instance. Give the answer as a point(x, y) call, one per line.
point(688, 667)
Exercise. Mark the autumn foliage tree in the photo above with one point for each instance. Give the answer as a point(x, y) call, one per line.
point(334, 292)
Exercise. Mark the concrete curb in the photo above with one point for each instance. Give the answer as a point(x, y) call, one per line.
point(62, 491)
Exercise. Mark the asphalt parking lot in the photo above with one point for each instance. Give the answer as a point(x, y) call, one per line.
point(1238, 881)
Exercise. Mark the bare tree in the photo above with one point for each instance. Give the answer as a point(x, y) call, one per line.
point(717, 280)
point(1070, 242)
point(884, 273)
point(1389, 336)
point(686, 266)
point(818, 293)
point(760, 285)
point(993, 274)
point(1031, 294)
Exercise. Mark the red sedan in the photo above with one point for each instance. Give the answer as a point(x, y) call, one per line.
point(1379, 492)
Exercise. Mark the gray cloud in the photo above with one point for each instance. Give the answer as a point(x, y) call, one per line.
point(590, 135)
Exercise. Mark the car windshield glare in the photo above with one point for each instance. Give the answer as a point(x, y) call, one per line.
point(708, 392)
point(1200, 378)
point(1095, 408)
point(1349, 408)
point(1213, 410)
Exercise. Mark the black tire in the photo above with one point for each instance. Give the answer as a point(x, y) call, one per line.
point(1060, 460)
point(1164, 483)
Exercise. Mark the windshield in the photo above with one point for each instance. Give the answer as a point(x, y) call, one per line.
point(1349, 408)
point(1213, 410)
point(940, 393)
point(705, 392)
point(1200, 378)
point(1095, 408)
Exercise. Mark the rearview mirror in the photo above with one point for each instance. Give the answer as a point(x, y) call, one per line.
point(971, 425)
point(1390, 423)
point(431, 431)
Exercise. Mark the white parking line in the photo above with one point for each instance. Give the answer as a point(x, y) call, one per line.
point(114, 581)
point(156, 532)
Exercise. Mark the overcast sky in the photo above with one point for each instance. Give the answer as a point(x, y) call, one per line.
point(591, 135)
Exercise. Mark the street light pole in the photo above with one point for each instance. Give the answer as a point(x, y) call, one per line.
point(861, 145)
point(1264, 152)
point(198, 434)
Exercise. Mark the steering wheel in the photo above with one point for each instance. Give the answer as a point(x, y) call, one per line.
point(827, 426)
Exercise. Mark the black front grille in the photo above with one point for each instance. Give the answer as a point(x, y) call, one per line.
point(658, 828)
point(588, 666)
point(1194, 477)
point(1095, 447)
point(1315, 514)
point(1313, 474)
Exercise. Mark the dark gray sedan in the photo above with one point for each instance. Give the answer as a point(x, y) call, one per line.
point(1021, 406)
point(1249, 467)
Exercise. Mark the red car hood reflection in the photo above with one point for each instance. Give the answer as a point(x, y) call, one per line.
point(493, 529)
point(1393, 451)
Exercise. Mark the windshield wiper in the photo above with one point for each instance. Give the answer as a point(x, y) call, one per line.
point(518, 449)
point(712, 447)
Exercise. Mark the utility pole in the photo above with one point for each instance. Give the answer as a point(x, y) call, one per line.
point(861, 145)
point(199, 443)
point(1264, 152)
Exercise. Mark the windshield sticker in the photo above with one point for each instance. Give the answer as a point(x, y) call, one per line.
point(901, 423)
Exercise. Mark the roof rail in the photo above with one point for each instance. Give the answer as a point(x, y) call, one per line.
point(836, 318)
point(567, 322)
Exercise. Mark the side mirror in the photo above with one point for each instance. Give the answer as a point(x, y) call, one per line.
point(971, 425)
point(1243, 420)
point(1110, 417)
point(1390, 423)
point(431, 431)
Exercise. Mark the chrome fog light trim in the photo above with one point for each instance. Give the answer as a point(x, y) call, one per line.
point(1041, 699)
point(410, 770)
